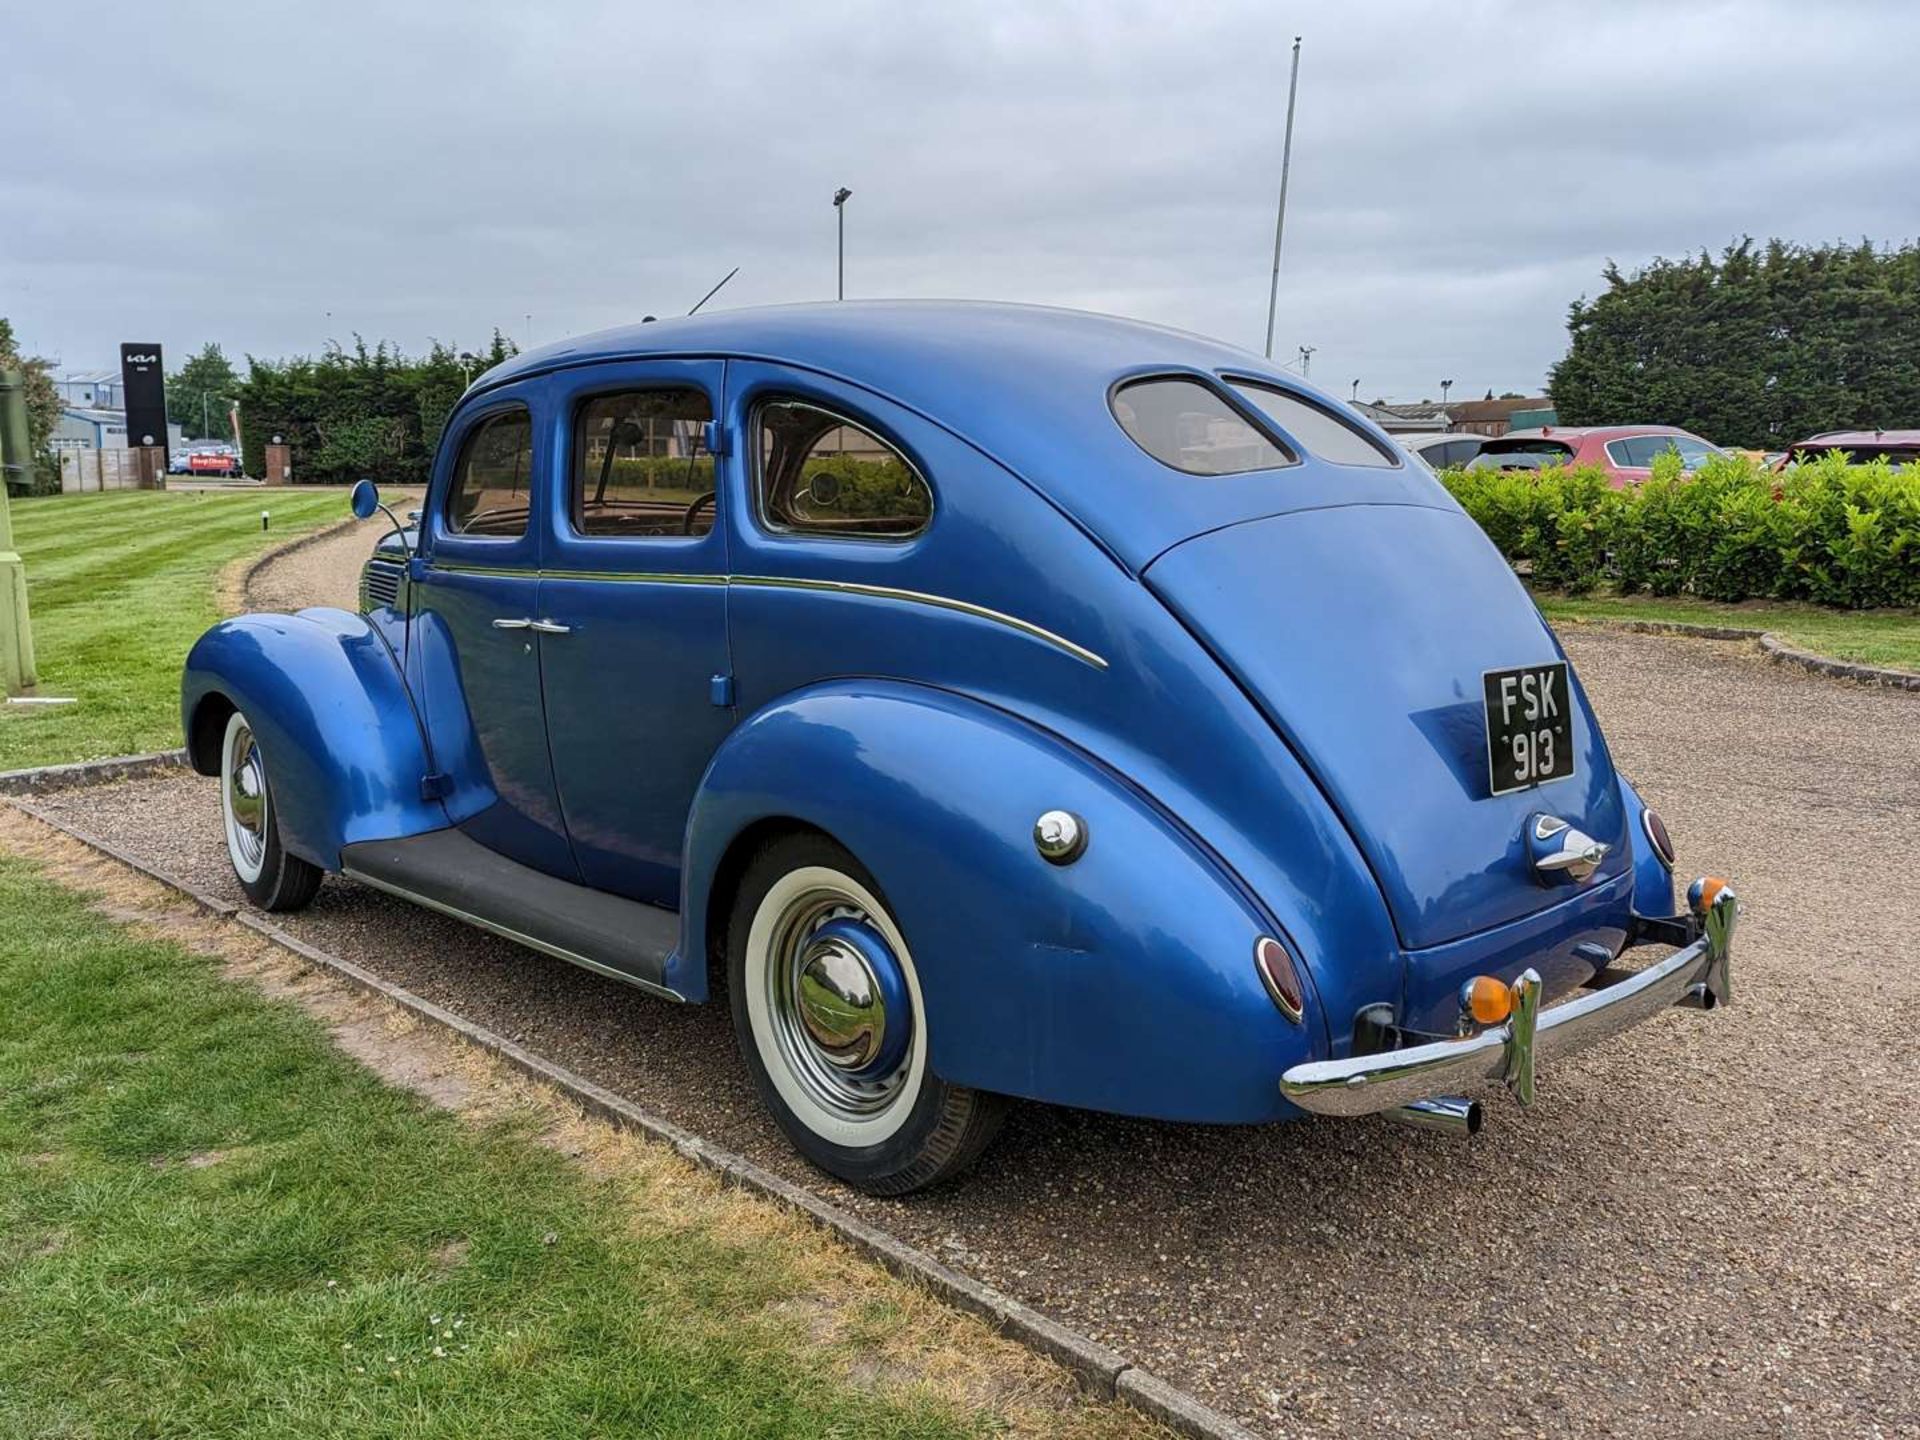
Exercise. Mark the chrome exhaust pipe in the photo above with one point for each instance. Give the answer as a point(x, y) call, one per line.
point(1452, 1114)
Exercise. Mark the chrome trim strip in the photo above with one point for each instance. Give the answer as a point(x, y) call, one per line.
point(776, 582)
point(937, 602)
point(1696, 975)
point(507, 932)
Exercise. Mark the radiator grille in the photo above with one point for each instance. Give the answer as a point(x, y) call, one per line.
point(380, 583)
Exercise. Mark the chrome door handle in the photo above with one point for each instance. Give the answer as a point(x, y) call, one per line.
point(549, 627)
point(504, 624)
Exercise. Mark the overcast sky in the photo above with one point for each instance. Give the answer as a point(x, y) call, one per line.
point(271, 175)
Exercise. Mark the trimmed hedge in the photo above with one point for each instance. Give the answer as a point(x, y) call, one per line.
point(1825, 531)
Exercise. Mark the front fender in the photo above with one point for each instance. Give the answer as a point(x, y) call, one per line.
point(1124, 981)
point(324, 696)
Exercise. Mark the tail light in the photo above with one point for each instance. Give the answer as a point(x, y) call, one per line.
point(1657, 837)
point(1281, 977)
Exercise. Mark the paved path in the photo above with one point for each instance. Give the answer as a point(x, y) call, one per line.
point(326, 572)
point(1707, 1228)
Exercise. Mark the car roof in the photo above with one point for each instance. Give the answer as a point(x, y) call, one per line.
point(1841, 439)
point(1594, 432)
point(1429, 437)
point(1026, 384)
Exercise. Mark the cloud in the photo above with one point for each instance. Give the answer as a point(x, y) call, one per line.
point(270, 176)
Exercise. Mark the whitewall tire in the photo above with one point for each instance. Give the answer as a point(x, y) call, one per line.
point(272, 878)
point(831, 1020)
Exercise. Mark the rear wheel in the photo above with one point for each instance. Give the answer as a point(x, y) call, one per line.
point(272, 878)
point(829, 1015)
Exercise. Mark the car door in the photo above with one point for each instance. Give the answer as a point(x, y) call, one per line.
point(477, 653)
point(637, 683)
point(1632, 458)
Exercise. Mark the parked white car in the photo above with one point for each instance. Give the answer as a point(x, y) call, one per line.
point(1441, 449)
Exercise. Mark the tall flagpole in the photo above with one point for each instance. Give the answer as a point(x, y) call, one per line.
point(1280, 219)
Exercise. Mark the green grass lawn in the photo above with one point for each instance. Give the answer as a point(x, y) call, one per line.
point(120, 586)
point(1870, 637)
point(213, 1223)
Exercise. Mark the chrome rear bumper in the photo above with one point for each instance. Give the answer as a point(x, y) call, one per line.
point(1696, 974)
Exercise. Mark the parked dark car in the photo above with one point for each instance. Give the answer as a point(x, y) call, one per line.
point(1896, 447)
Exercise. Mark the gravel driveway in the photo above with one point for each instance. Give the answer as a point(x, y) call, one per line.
point(325, 571)
point(1705, 1229)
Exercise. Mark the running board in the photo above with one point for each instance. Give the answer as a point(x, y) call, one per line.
point(448, 871)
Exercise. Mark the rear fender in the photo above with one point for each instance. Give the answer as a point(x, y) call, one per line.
point(1122, 981)
point(326, 699)
point(1652, 881)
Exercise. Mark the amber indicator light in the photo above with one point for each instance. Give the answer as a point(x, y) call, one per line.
point(1487, 1000)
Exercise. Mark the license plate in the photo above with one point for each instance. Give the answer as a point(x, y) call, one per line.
point(1529, 727)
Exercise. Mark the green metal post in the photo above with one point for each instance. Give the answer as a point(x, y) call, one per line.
point(16, 630)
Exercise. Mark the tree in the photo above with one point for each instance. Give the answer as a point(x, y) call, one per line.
point(43, 405)
point(360, 412)
point(201, 392)
point(1761, 346)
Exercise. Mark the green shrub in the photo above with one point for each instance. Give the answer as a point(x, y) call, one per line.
point(1824, 531)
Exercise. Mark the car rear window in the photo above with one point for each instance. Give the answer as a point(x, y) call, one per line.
point(1190, 426)
point(1515, 459)
point(1321, 433)
point(1551, 452)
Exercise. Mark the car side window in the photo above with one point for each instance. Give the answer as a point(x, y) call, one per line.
point(640, 465)
point(1693, 453)
point(488, 495)
point(1621, 453)
point(1321, 432)
point(823, 474)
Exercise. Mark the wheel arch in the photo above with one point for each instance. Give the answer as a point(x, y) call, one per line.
point(336, 726)
point(728, 871)
point(206, 727)
point(1090, 983)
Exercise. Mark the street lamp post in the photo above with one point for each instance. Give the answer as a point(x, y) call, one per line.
point(840, 198)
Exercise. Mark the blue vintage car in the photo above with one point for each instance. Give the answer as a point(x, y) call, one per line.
point(989, 701)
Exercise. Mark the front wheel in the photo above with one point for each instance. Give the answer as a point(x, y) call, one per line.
point(272, 878)
point(829, 1015)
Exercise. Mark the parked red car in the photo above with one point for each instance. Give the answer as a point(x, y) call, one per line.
point(213, 462)
point(1625, 452)
point(1896, 447)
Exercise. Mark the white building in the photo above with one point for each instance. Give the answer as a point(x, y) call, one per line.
point(91, 390)
point(91, 427)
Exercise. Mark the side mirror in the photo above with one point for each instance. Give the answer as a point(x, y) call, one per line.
point(365, 502)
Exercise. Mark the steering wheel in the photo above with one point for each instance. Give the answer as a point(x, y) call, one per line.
point(699, 501)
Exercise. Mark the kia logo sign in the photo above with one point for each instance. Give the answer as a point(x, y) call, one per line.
point(143, 379)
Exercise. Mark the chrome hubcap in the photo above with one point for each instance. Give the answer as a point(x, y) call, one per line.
point(246, 797)
point(838, 1001)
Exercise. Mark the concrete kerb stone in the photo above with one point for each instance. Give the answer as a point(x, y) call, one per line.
point(1773, 647)
point(88, 772)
